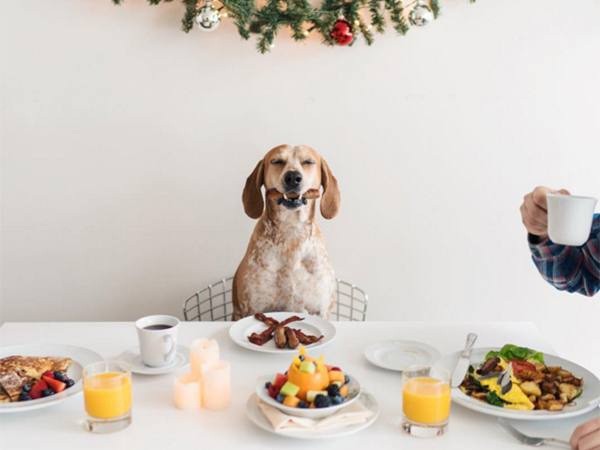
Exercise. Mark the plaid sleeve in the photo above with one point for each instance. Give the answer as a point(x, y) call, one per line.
point(573, 269)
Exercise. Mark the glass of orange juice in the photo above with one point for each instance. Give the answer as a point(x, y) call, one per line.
point(107, 396)
point(425, 401)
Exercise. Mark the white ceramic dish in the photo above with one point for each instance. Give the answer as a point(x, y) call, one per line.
point(80, 356)
point(257, 417)
point(398, 355)
point(313, 325)
point(133, 359)
point(589, 399)
point(314, 413)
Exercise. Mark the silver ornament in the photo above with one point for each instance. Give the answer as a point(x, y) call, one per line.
point(421, 14)
point(208, 18)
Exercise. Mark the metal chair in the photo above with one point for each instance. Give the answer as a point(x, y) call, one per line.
point(213, 303)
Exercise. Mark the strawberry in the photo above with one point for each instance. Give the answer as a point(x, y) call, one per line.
point(56, 385)
point(48, 373)
point(37, 388)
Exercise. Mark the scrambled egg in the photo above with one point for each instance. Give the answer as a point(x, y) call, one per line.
point(515, 396)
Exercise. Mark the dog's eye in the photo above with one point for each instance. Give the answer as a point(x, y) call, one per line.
point(308, 162)
point(278, 162)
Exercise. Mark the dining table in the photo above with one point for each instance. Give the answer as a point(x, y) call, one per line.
point(158, 425)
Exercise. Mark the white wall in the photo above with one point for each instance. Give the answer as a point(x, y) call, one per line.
point(126, 143)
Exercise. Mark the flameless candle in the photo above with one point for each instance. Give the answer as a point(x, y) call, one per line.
point(216, 385)
point(203, 352)
point(187, 393)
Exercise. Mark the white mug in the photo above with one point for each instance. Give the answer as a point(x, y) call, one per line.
point(570, 218)
point(158, 339)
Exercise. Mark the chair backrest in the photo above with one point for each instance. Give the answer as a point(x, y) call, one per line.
point(213, 303)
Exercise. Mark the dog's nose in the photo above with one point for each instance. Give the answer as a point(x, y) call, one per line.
point(292, 179)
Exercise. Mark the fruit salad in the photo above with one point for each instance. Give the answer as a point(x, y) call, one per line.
point(309, 383)
point(51, 382)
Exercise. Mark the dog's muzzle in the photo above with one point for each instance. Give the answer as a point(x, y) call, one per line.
point(291, 203)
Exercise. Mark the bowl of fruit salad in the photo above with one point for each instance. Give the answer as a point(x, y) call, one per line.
point(309, 388)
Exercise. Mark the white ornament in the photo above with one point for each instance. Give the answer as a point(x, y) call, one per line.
point(208, 18)
point(421, 14)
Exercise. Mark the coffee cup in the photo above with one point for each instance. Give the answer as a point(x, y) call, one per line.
point(158, 339)
point(570, 218)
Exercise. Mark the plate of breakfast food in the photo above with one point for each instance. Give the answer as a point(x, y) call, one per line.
point(37, 376)
point(281, 332)
point(311, 398)
point(521, 383)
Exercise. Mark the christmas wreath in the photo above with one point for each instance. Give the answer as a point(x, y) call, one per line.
point(337, 21)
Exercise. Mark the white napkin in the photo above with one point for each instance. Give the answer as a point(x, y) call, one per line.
point(354, 414)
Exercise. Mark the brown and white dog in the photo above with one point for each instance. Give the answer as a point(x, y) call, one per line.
point(286, 266)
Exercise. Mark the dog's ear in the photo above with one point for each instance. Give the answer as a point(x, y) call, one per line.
point(252, 195)
point(330, 201)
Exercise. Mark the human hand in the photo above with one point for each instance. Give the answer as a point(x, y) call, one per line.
point(586, 436)
point(534, 210)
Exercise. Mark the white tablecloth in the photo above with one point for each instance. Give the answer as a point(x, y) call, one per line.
point(158, 425)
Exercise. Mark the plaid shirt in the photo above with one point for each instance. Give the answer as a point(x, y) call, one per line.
point(574, 269)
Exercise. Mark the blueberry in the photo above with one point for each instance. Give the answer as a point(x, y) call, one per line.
point(346, 379)
point(23, 396)
point(333, 390)
point(302, 404)
point(301, 357)
point(337, 400)
point(69, 382)
point(26, 388)
point(47, 392)
point(322, 401)
point(60, 376)
point(279, 398)
point(267, 385)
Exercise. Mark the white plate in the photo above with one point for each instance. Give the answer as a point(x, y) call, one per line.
point(80, 357)
point(314, 325)
point(399, 355)
point(314, 413)
point(257, 417)
point(133, 359)
point(589, 399)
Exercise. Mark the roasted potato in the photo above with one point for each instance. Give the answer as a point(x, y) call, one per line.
point(531, 388)
point(568, 390)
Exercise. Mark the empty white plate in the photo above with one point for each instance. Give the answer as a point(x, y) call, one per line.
point(398, 355)
point(133, 359)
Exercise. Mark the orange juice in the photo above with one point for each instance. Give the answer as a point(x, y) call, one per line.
point(107, 395)
point(426, 400)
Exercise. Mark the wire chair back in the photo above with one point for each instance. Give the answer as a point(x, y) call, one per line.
point(213, 303)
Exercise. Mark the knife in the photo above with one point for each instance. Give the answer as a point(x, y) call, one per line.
point(464, 361)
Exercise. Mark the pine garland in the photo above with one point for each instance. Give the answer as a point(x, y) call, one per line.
point(364, 16)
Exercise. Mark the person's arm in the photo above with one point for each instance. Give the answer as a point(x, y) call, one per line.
point(573, 269)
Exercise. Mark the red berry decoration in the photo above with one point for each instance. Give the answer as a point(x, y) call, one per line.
point(341, 32)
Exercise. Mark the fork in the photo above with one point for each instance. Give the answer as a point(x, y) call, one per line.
point(531, 440)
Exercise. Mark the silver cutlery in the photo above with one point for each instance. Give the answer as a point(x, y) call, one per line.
point(531, 440)
point(464, 361)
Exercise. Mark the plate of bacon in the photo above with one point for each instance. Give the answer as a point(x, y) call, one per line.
point(281, 332)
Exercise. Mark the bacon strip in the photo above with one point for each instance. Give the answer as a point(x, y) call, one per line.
point(263, 337)
point(306, 339)
point(269, 321)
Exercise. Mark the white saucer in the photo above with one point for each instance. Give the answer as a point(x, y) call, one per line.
point(398, 355)
point(257, 417)
point(133, 359)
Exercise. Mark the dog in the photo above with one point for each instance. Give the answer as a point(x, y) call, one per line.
point(286, 266)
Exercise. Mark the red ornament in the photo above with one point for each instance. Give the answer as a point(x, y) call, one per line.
point(341, 32)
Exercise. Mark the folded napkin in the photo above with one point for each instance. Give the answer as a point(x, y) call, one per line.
point(354, 414)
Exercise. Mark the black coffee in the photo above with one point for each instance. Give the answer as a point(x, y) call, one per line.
point(158, 327)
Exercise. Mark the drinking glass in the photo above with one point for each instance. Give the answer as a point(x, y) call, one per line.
point(107, 396)
point(425, 401)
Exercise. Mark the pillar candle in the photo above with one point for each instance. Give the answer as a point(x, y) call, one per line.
point(216, 386)
point(187, 393)
point(203, 352)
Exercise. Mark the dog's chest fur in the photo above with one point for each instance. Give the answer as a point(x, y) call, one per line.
point(288, 269)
